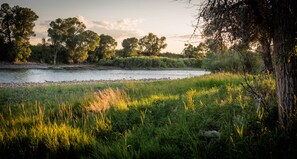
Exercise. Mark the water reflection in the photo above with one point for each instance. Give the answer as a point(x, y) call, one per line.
point(56, 75)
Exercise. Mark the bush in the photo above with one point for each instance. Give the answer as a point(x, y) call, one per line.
point(152, 62)
point(232, 61)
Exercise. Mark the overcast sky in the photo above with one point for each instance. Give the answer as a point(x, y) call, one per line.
point(119, 18)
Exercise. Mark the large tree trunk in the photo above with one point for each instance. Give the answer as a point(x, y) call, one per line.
point(266, 54)
point(285, 31)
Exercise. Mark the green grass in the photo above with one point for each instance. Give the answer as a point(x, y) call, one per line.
point(211, 116)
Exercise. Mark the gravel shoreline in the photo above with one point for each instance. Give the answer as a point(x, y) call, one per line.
point(49, 83)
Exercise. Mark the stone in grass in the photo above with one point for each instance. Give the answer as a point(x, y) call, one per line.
point(210, 134)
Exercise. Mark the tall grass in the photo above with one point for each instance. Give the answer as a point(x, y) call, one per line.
point(212, 116)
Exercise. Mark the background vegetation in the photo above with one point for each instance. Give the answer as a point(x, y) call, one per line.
point(153, 62)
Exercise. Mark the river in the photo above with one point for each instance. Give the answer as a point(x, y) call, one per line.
point(59, 75)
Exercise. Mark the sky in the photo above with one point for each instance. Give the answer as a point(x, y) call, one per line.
point(119, 18)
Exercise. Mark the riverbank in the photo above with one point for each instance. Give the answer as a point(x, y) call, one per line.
point(50, 83)
point(47, 66)
point(82, 66)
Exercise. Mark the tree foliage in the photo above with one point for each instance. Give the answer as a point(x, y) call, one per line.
point(152, 44)
point(244, 21)
point(16, 27)
point(191, 51)
point(130, 46)
point(106, 47)
point(71, 34)
point(42, 52)
point(265, 21)
point(56, 33)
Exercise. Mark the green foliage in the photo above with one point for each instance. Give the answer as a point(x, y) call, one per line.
point(216, 46)
point(56, 33)
point(41, 53)
point(152, 45)
point(233, 61)
point(152, 62)
point(130, 46)
point(191, 51)
point(23, 50)
point(16, 27)
point(211, 116)
point(171, 55)
point(105, 49)
point(71, 34)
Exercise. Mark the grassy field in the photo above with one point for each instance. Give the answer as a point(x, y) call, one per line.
point(214, 116)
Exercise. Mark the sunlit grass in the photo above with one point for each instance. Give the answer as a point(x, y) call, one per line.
point(209, 116)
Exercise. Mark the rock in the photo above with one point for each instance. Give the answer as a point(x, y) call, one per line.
point(210, 134)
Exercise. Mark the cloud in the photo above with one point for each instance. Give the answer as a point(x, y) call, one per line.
point(40, 31)
point(184, 37)
point(187, 38)
point(118, 29)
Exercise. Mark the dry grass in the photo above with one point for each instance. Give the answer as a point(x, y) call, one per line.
point(106, 98)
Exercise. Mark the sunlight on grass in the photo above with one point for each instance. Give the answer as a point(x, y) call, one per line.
point(137, 119)
point(148, 101)
point(104, 99)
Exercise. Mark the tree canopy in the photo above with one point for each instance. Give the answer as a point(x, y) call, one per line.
point(16, 27)
point(152, 44)
point(130, 46)
point(243, 21)
point(106, 47)
point(192, 51)
point(72, 34)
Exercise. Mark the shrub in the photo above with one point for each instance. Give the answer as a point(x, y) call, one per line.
point(152, 62)
point(232, 61)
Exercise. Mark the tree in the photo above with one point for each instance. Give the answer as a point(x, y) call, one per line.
point(106, 47)
point(270, 20)
point(191, 51)
point(17, 25)
point(88, 42)
point(41, 52)
point(152, 45)
point(78, 41)
point(130, 46)
point(56, 32)
point(70, 33)
point(215, 46)
point(241, 20)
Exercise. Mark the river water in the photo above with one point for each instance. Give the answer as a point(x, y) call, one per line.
point(59, 75)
